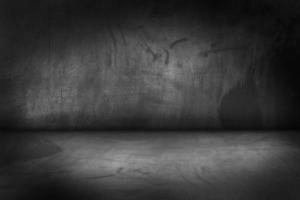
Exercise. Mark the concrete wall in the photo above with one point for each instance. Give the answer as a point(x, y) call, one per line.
point(145, 66)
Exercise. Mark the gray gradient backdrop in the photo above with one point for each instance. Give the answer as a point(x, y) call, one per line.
point(155, 64)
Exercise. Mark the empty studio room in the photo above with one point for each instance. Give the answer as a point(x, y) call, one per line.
point(149, 99)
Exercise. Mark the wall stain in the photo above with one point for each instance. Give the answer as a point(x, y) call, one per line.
point(218, 50)
point(167, 57)
point(176, 42)
point(240, 107)
point(155, 55)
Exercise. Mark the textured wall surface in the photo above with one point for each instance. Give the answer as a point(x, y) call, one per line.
point(149, 72)
point(153, 65)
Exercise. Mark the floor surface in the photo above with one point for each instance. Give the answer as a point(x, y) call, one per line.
point(182, 165)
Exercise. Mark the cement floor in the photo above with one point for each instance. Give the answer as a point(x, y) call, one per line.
point(244, 165)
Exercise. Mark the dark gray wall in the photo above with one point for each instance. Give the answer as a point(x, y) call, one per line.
point(143, 65)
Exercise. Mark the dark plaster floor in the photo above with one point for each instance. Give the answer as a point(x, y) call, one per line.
point(243, 165)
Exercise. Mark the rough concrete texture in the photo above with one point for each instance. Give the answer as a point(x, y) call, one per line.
point(150, 66)
point(131, 74)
